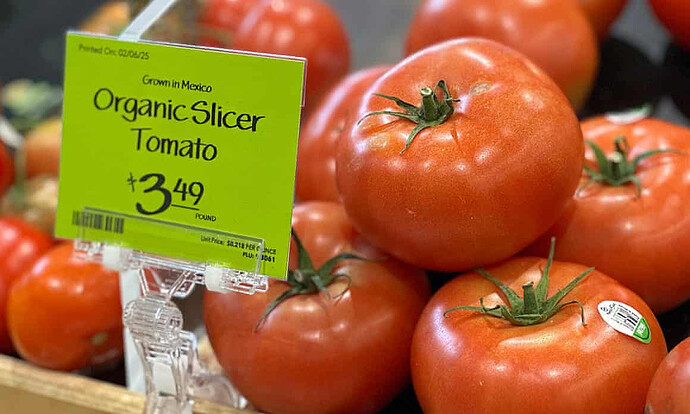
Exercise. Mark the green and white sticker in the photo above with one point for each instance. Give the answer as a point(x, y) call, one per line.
point(625, 319)
point(161, 141)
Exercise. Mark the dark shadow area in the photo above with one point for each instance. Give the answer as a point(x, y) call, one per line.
point(677, 72)
point(627, 78)
point(676, 324)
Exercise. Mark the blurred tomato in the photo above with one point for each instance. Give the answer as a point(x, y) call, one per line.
point(675, 15)
point(602, 13)
point(42, 148)
point(318, 139)
point(317, 354)
point(668, 393)
point(6, 169)
point(20, 246)
point(220, 20)
point(65, 313)
point(306, 28)
point(640, 239)
point(554, 34)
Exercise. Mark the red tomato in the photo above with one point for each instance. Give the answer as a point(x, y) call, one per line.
point(6, 169)
point(306, 28)
point(554, 34)
point(21, 245)
point(668, 393)
point(640, 241)
point(489, 179)
point(602, 14)
point(312, 354)
point(467, 362)
point(675, 15)
point(318, 139)
point(220, 20)
point(65, 314)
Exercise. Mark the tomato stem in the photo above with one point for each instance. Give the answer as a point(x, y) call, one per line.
point(616, 170)
point(307, 280)
point(432, 112)
point(534, 307)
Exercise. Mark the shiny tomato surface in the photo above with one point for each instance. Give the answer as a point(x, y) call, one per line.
point(554, 34)
point(475, 189)
point(21, 244)
point(472, 363)
point(643, 242)
point(306, 28)
point(317, 355)
point(668, 393)
point(319, 137)
point(65, 313)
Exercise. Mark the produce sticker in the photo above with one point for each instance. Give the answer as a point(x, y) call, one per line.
point(625, 319)
point(180, 151)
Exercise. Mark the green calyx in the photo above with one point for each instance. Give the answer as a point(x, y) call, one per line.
point(306, 280)
point(617, 170)
point(533, 307)
point(431, 112)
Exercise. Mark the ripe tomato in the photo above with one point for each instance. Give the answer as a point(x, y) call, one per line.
point(21, 245)
point(6, 169)
point(313, 354)
point(554, 34)
point(602, 13)
point(318, 140)
point(639, 241)
point(65, 314)
point(491, 177)
point(307, 28)
point(467, 362)
point(668, 393)
point(42, 148)
point(220, 20)
point(675, 15)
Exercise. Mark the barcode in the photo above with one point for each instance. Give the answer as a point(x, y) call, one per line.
point(98, 221)
point(626, 318)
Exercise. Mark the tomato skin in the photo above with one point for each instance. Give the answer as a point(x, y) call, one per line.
point(6, 169)
point(315, 355)
point(319, 138)
point(642, 242)
point(668, 393)
point(65, 314)
point(473, 363)
point(675, 16)
point(476, 188)
point(21, 245)
point(220, 20)
point(602, 14)
point(307, 28)
point(554, 34)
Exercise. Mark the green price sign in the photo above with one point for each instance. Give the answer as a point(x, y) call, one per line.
point(180, 151)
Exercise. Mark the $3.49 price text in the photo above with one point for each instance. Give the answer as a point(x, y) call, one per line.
point(178, 193)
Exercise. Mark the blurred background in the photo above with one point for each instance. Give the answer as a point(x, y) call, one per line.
point(639, 62)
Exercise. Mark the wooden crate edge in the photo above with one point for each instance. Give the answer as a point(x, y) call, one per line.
point(81, 392)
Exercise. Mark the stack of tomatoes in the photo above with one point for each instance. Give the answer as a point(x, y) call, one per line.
point(55, 311)
point(558, 240)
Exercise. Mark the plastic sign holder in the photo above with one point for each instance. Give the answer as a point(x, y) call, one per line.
point(173, 373)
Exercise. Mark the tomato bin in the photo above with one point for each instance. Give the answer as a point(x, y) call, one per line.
point(345, 206)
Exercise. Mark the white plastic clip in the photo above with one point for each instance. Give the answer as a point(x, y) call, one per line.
point(213, 278)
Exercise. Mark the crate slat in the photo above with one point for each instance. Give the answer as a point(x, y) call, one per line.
point(26, 389)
